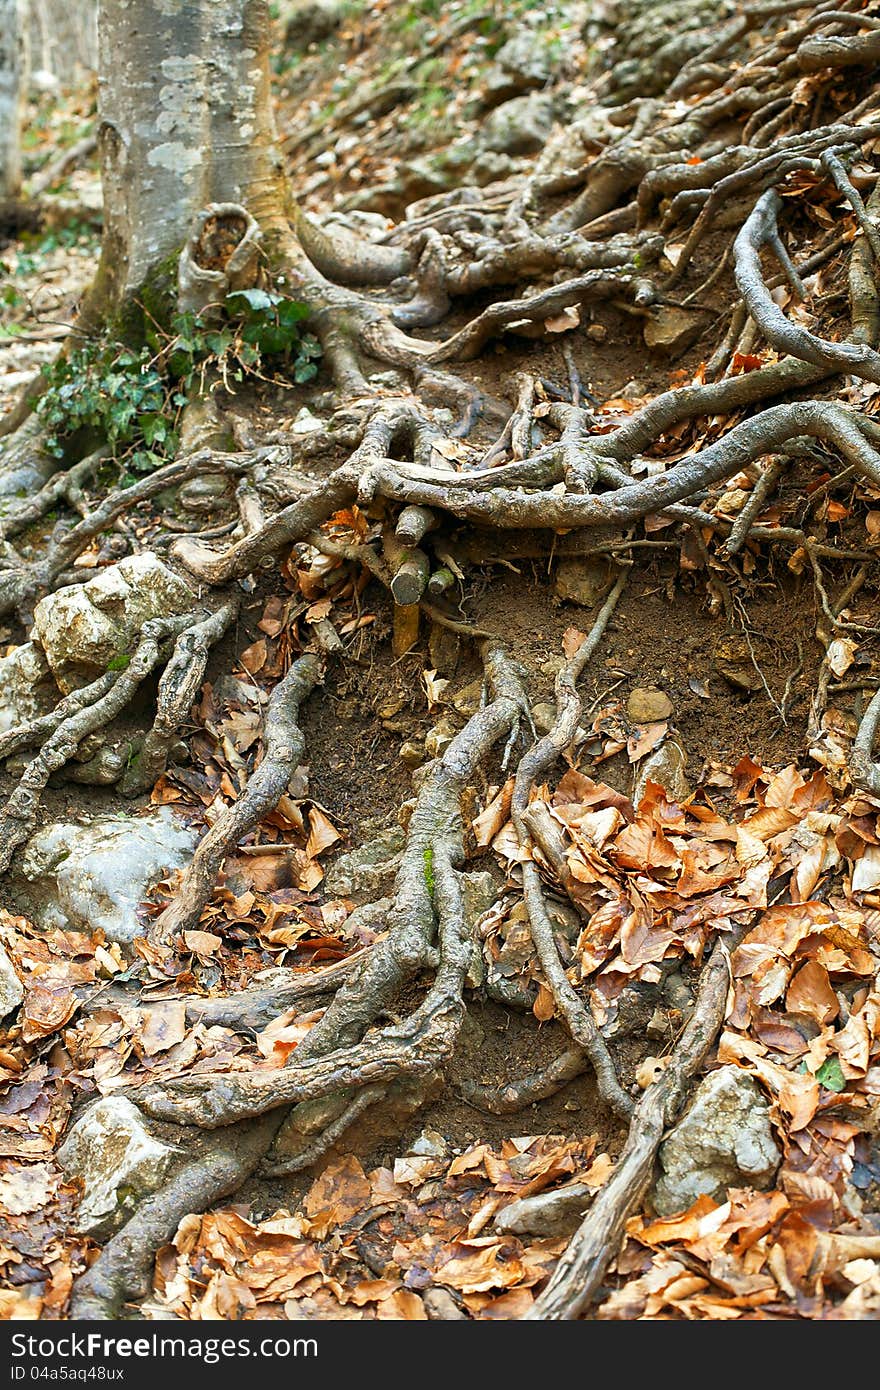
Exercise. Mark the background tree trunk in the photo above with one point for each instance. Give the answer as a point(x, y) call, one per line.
point(13, 85)
point(64, 39)
point(185, 120)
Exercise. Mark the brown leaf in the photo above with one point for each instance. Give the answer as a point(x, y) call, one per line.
point(810, 993)
point(254, 658)
point(489, 822)
point(322, 833)
point(164, 1025)
point(572, 641)
point(544, 1006)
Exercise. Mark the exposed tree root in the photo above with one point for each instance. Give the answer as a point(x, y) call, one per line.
point(19, 816)
point(123, 1270)
point(553, 467)
point(283, 747)
point(536, 762)
point(583, 1264)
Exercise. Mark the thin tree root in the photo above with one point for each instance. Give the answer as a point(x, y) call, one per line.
point(537, 761)
point(582, 1267)
point(283, 747)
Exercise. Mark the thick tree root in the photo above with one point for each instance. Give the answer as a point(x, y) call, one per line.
point(178, 687)
point(124, 1269)
point(19, 816)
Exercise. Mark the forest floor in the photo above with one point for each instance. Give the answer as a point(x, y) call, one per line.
point(717, 655)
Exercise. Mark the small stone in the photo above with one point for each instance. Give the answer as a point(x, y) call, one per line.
point(672, 330)
point(648, 705)
point(83, 627)
point(666, 766)
point(364, 872)
point(551, 1214)
point(83, 877)
point(429, 1144)
point(733, 501)
point(581, 581)
point(657, 1025)
point(742, 678)
point(27, 688)
point(469, 699)
point(11, 988)
point(306, 423)
point(724, 1140)
point(412, 753)
point(544, 715)
point(442, 1307)
point(118, 1159)
point(597, 332)
point(520, 126)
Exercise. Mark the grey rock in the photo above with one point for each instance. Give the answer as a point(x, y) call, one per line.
point(469, 699)
point(27, 688)
point(83, 627)
point(520, 126)
point(671, 330)
point(366, 871)
point(310, 21)
point(11, 988)
point(522, 63)
point(544, 715)
point(665, 765)
point(81, 877)
point(429, 1144)
point(119, 1161)
point(582, 581)
point(724, 1140)
point(442, 1307)
point(547, 1214)
point(648, 705)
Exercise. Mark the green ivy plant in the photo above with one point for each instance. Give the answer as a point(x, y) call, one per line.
point(133, 399)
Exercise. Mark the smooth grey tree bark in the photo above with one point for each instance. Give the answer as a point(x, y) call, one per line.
point(13, 85)
point(63, 39)
point(185, 120)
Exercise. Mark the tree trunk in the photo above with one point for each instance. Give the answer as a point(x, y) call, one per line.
point(63, 39)
point(185, 121)
point(13, 85)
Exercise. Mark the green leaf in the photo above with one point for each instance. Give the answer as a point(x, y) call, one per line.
point(250, 301)
point(831, 1076)
point(290, 312)
point(153, 428)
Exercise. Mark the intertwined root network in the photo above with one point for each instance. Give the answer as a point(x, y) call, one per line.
point(606, 243)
